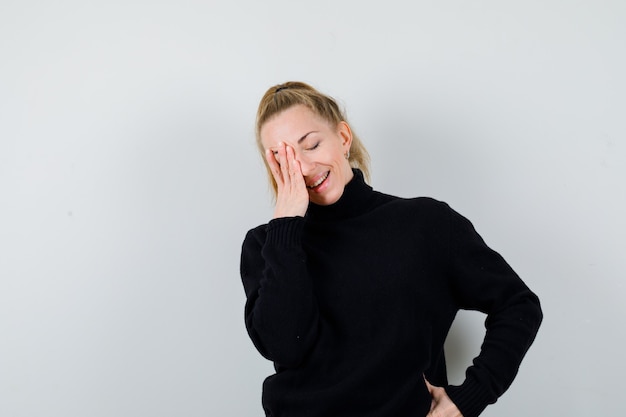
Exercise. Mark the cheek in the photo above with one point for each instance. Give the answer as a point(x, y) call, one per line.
point(339, 157)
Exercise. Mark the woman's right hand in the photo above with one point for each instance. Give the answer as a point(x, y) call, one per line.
point(293, 198)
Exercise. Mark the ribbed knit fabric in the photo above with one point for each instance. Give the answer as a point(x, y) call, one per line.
point(353, 303)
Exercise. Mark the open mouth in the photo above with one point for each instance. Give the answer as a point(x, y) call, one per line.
point(319, 181)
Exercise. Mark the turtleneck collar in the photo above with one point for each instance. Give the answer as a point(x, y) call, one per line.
point(356, 199)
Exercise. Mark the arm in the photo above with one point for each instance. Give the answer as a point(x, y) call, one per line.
point(482, 280)
point(281, 312)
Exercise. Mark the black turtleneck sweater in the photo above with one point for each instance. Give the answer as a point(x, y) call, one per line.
point(353, 303)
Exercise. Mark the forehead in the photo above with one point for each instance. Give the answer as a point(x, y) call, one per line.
point(290, 125)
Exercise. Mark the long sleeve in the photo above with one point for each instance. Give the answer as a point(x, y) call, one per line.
point(353, 303)
point(281, 313)
point(483, 281)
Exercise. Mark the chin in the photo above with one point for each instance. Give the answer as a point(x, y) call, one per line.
point(327, 199)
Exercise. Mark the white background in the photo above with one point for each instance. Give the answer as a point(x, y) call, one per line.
point(129, 176)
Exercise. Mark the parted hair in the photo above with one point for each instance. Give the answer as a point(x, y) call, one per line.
point(292, 93)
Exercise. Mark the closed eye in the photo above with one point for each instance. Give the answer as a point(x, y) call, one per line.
point(313, 147)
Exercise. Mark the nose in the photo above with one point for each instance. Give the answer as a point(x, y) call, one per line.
point(306, 163)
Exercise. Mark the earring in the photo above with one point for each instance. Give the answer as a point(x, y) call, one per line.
point(347, 154)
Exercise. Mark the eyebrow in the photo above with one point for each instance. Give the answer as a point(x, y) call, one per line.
point(305, 136)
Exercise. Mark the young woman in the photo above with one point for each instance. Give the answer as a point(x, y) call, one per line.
point(351, 292)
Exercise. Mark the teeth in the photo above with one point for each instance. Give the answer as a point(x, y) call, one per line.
point(318, 182)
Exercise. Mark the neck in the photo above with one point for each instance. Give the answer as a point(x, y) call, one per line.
point(356, 199)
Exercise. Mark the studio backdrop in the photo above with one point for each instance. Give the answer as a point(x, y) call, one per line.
point(129, 176)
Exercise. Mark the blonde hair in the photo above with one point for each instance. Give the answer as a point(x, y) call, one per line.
point(284, 96)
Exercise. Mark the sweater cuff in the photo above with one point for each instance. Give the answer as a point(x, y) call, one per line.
point(285, 231)
point(469, 398)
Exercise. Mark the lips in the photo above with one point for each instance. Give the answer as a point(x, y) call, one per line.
point(319, 181)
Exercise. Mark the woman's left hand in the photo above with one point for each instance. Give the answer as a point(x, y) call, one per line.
point(441, 405)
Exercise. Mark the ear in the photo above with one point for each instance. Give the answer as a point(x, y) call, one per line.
point(345, 133)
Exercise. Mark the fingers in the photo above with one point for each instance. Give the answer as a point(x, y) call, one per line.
point(284, 162)
point(431, 391)
point(295, 172)
point(441, 405)
point(277, 162)
point(431, 388)
point(284, 166)
point(274, 165)
point(292, 198)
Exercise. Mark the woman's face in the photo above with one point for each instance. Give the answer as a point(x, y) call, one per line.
point(319, 146)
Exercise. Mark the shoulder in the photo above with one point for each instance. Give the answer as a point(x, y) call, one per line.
point(256, 236)
point(422, 206)
point(251, 249)
point(421, 214)
point(280, 228)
